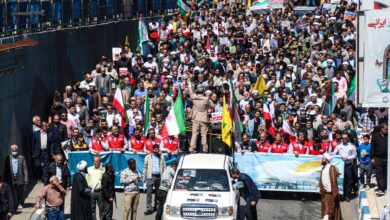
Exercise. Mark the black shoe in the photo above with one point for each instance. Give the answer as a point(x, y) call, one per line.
point(148, 212)
point(380, 193)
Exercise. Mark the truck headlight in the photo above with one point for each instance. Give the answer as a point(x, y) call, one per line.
point(226, 211)
point(172, 210)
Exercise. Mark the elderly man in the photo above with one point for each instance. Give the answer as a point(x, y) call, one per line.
point(81, 195)
point(36, 123)
point(54, 195)
point(94, 179)
point(329, 192)
point(16, 175)
point(60, 170)
point(41, 149)
point(200, 117)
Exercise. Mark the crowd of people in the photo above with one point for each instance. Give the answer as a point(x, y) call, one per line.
point(218, 51)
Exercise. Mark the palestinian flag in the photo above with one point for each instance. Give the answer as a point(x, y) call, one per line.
point(119, 104)
point(380, 5)
point(331, 99)
point(142, 34)
point(260, 5)
point(351, 93)
point(175, 121)
point(184, 8)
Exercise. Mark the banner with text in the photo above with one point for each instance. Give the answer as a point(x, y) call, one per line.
point(275, 172)
point(376, 71)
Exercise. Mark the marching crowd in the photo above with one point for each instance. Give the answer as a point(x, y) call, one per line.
point(289, 80)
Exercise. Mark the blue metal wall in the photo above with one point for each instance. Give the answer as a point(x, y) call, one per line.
point(59, 58)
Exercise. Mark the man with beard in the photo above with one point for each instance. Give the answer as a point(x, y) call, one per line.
point(117, 141)
point(58, 132)
point(81, 195)
point(137, 142)
point(348, 153)
point(247, 144)
point(152, 140)
point(57, 108)
point(329, 193)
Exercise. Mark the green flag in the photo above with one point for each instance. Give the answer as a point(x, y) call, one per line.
point(147, 115)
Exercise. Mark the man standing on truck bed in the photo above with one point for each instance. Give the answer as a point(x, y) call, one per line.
point(249, 192)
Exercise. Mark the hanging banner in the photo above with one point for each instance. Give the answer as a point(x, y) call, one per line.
point(275, 172)
point(376, 59)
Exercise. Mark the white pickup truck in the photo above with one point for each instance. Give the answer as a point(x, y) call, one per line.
point(203, 189)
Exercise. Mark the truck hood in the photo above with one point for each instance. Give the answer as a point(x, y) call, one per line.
point(221, 199)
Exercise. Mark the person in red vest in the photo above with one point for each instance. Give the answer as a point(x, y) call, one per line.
point(99, 142)
point(301, 146)
point(116, 141)
point(152, 140)
point(319, 147)
point(336, 141)
point(263, 145)
point(279, 146)
point(137, 141)
point(171, 144)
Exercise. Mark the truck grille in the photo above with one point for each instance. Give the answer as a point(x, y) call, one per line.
point(199, 211)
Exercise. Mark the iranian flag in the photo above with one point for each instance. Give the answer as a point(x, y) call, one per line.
point(269, 124)
point(331, 100)
point(175, 121)
point(119, 104)
point(351, 93)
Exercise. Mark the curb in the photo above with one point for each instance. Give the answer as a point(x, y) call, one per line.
point(364, 210)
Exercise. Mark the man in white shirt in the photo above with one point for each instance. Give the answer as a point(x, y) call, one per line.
point(348, 153)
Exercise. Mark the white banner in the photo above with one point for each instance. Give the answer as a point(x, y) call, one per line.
point(116, 53)
point(376, 59)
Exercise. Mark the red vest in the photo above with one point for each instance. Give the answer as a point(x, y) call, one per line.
point(137, 145)
point(302, 150)
point(333, 144)
point(263, 147)
point(116, 143)
point(96, 145)
point(282, 149)
point(171, 145)
point(321, 151)
point(149, 143)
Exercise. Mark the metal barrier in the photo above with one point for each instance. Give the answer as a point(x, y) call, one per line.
point(29, 16)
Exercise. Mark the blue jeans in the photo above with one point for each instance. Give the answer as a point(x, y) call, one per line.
point(55, 214)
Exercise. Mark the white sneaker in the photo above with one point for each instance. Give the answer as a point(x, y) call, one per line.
point(20, 207)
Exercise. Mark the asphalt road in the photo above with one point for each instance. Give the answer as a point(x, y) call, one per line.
point(272, 205)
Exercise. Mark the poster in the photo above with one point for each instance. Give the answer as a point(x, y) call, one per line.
point(377, 59)
point(116, 53)
point(216, 117)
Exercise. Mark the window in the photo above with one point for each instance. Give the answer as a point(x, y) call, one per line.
point(202, 180)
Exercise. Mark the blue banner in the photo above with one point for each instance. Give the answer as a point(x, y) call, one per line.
point(117, 159)
point(275, 172)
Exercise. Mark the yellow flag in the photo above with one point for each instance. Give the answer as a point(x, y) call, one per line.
point(127, 41)
point(260, 85)
point(226, 125)
point(249, 3)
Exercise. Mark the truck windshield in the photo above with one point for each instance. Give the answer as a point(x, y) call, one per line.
point(201, 180)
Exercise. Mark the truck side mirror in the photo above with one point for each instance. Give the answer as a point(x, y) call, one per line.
point(238, 185)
